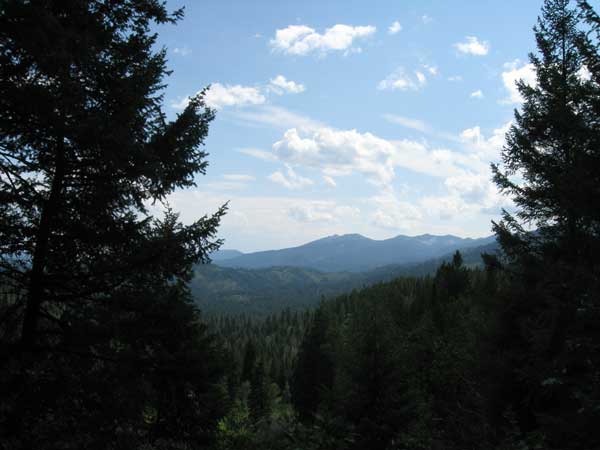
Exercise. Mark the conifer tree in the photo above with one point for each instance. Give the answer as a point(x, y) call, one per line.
point(549, 169)
point(104, 321)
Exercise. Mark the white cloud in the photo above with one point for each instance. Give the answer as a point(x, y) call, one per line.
point(280, 85)
point(473, 46)
point(340, 153)
point(475, 192)
point(513, 73)
point(433, 70)
point(329, 181)
point(471, 187)
point(476, 94)
point(401, 80)
point(444, 207)
point(455, 78)
point(393, 213)
point(322, 211)
point(258, 154)
point(426, 19)
point(276, 117)
point(219, 96)
point(395, 28)
point(488, 149)
point(407, 122)
point(182, 51)
point(291, 180)
point(302, 40)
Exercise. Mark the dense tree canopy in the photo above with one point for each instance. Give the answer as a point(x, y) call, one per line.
point(102, 343)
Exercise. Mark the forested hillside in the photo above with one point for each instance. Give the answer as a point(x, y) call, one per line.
point(260, 292)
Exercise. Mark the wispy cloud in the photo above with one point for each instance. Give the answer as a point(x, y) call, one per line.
point(182, 51)
point(478, 94)
point(407, 122)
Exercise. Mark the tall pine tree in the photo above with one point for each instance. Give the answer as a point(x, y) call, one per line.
point(550, 169)
point(105, 348)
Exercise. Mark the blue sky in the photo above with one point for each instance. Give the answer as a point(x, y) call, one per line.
point(378, 117)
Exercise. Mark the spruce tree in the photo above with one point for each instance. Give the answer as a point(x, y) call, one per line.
point(551, 242)
point(105, 347)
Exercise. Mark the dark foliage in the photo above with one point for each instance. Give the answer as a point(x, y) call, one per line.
point(101, 346)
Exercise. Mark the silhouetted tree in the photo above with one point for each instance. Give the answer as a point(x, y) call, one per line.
point(549, 169)
point(104, 318)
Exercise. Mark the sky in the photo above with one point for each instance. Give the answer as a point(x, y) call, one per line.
point(334, 117)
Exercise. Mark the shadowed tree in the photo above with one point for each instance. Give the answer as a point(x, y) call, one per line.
point(104, 319)
point(549, 169)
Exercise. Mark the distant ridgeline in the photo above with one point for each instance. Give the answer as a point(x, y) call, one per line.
point(352, 252)
point(297, 278)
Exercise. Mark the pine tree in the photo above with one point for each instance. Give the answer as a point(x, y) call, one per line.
point(249, 363)
point(549, 169)
point(104, 320)
point(313, 372)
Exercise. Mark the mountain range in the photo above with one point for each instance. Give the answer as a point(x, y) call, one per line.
point(351, 252)
point(266, 290)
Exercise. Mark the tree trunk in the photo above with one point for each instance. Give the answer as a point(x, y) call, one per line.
point(35, 289)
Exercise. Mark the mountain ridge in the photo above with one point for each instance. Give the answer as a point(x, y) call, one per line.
point(355, 252)
point(226, 290)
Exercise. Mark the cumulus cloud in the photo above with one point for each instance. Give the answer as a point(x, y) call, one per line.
point(343, 152)
point(391, 212)
point(476, 94)
point(515, 71)
point(291, 179)
point(395, 28)
point(455, 78)
point(473, 46)
point(487, 148)
point(219, 96)
point(403, 81)
point(426, 19)
point(443, 207)
point(477, 191)
point(302, 40)
point(280, 85)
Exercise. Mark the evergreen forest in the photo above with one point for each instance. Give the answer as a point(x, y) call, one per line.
point(116, 332)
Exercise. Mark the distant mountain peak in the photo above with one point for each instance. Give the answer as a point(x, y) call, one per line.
point(354, 252)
